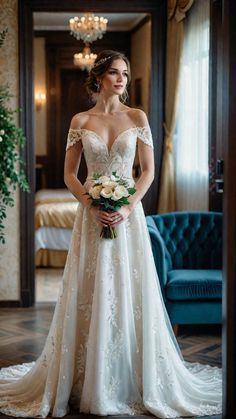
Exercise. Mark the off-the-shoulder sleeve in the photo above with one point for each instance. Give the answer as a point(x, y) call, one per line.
point(74, 135)
point(144, 134)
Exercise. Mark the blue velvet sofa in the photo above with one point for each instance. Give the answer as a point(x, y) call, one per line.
point(187, 248)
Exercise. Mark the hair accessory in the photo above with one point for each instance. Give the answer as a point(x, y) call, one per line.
point(101, 61)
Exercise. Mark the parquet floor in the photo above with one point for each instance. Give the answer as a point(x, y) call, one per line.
point(23, 333)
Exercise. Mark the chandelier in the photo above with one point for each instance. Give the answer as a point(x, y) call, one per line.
point(85, 59)
point(88, 28)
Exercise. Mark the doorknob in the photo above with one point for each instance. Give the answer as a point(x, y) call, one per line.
point(220, 172)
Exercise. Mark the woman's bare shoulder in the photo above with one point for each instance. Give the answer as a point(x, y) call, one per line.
point(138, 116)
point(79, 120)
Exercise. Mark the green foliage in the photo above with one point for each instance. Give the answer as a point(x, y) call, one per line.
point(108, 204)
point(12, 141)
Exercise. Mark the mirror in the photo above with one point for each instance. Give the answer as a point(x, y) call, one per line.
point(59, 93)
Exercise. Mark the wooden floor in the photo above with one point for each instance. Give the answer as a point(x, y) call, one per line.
point(23, 333)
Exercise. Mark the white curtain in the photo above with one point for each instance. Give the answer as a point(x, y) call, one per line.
point(191, 136)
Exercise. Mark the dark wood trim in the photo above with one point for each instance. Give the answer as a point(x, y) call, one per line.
point(41, 159)
point(26, 121)
point(157, 97)
point(216, 140)
point(94, 5)
point(229, 129)
point(10, 303)
point(139, 25)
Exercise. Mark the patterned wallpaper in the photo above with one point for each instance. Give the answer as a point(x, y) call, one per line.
point(9, 253)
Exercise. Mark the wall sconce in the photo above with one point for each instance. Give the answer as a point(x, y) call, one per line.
point(40, 100)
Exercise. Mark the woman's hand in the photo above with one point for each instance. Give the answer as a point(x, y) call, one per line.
point(110, 218)
point(120, 216)
point(103, 217)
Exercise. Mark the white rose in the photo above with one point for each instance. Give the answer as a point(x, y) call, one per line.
point(122, 189)
point(113, 178)
point(2, 132)
point(1, 139)
point(106, 192)
point(109, 183)
point(116, 195)
point(95, 191)
point(103, 179)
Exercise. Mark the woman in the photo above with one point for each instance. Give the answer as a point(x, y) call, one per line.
point(110, 349)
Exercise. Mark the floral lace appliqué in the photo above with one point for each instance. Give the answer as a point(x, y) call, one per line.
point(74, 135)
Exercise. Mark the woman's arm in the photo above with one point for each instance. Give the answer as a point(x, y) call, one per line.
point(71, 167)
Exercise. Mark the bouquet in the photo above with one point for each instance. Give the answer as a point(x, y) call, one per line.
point(109, 193)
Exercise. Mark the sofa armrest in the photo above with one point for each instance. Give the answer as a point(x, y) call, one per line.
point(158, 251)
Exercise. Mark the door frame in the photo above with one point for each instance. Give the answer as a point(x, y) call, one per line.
point(157, 10)
point(229, 209)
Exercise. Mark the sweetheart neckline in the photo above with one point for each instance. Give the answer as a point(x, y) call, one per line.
point(109, 150)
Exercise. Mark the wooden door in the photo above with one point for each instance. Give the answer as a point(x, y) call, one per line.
point(74, 99)
point(68, 98)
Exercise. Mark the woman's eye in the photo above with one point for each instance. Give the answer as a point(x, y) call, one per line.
point(114, 72)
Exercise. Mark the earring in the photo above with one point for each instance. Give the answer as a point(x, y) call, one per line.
point(98, 86)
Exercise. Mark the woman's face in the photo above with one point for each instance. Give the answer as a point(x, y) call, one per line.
point(115, 79)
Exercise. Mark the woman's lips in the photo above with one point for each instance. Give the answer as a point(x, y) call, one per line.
point(118, 86)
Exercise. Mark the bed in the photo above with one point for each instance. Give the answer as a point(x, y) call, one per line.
point(55, 211)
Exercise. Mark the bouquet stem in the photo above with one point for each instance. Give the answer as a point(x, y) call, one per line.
point(108, 232)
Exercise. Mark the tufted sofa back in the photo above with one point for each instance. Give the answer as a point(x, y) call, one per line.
point(192, 240)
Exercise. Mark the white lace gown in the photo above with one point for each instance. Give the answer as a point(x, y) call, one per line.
point(110, 349)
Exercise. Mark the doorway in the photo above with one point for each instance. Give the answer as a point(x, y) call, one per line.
point(66, 95)
point(158, 18)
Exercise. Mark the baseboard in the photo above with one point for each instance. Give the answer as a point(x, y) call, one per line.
point(10, 303)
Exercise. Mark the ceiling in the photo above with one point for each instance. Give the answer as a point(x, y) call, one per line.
point(60, 21)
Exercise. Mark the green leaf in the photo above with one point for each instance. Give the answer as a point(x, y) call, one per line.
point(131, 191)
point(11, 162)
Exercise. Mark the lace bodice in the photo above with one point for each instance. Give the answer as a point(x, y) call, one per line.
point(121, 155)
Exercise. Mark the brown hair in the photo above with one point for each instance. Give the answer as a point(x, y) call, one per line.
point(102, 63)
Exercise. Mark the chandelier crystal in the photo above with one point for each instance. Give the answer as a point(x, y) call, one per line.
point(88, 28)
point(85, 59)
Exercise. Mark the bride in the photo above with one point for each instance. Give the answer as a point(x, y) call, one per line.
point(110, 349)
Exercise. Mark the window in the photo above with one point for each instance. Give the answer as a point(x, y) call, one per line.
point(191, 135)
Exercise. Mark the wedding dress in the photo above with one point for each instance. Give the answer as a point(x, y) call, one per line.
point(110, 349)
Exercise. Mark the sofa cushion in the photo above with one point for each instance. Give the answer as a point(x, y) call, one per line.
point(191, 240)
point(194, 284)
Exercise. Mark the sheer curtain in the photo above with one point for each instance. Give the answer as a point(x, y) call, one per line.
point(191, 136)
